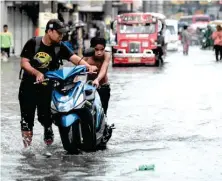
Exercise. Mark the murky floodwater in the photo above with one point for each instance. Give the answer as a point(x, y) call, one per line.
point(169, 116)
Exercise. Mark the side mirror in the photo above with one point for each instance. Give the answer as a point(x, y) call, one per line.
point(89, 52)
point(90, 95)
point(89, 91)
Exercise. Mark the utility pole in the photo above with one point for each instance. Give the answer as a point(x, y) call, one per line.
point(108, 12)
point(47, 11)
point(107, 19)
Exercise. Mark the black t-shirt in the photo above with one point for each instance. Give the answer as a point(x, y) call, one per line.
point(160, 40)
point(45, 59)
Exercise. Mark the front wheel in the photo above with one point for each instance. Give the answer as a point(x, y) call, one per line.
point(88, 132)
point(70, 137)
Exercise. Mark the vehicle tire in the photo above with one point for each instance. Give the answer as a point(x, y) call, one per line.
point(70, 137)
point(88, 132)
point(104, 141)
point(113, 64)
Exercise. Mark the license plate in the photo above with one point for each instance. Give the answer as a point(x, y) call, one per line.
point(134, 60)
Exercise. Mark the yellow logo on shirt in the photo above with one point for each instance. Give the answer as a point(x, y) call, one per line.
point(43, 59)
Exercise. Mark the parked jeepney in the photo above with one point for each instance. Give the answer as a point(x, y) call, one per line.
point(136, 38)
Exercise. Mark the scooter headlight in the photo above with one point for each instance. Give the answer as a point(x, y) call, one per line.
point(66, 106)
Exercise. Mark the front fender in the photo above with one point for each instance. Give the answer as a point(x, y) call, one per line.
point(67, 120)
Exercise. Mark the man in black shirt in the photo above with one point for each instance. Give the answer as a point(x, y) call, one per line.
point(35, 63)
point(161, 45)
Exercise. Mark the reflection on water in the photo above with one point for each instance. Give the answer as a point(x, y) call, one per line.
point(169, 116)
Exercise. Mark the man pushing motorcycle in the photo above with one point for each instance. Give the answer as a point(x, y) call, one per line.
point(39, 55)
point(101, 60)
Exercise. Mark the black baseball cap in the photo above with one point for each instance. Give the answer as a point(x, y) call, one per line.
point(55, 24)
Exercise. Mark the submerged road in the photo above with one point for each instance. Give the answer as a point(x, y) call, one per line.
point(170, 117)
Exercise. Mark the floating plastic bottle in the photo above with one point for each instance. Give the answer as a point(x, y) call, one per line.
point(146, 167)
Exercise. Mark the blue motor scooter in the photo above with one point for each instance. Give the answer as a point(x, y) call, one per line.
point(77, 110)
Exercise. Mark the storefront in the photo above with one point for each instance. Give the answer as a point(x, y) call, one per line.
point(177, 8)
point(19, 22)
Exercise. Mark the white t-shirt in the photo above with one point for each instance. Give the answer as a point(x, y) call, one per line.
point(92, 32)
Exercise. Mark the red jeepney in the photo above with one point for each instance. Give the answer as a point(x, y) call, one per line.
point(136, 38)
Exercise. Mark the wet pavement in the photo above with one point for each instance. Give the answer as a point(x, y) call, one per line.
point(169, 116)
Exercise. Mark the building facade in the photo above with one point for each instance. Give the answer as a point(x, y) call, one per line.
point(20, 24)
point(177, 8)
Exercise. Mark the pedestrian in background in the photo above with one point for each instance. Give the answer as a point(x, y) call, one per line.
point(5, 42)
point(185, 39)
point(217, 37)
point(208, 36)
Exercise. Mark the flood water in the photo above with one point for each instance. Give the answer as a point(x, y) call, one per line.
point(170, 117)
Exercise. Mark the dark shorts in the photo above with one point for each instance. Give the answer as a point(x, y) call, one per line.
point(218, 51)
point(32, 97)
point(6, 50)
point(104, 93)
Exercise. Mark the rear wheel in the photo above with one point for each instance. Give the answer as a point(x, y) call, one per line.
point(114, 65)
point(70, 137)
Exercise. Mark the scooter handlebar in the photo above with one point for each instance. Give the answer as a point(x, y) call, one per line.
point(84, 73)
point(45, 80)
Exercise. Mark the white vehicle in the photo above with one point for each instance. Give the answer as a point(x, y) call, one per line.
point(171, 34)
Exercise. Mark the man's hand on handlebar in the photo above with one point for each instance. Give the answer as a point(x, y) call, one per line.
point(39, 77)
